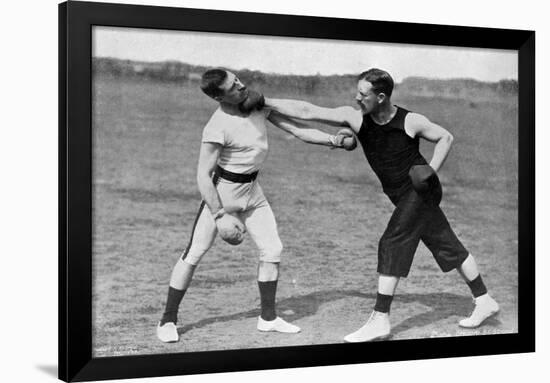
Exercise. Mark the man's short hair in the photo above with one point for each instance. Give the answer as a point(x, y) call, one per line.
point(380, 79)
point(211, 81)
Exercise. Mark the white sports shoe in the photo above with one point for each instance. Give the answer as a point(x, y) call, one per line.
point(485, 307)
point(278, 324)
point(168, 332)
point(377, 328)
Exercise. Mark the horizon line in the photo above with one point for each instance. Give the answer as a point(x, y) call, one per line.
point(294, 74)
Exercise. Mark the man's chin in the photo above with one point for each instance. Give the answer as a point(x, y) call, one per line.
point(236, 102)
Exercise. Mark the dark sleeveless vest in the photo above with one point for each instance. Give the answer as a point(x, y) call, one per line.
point(391, 152)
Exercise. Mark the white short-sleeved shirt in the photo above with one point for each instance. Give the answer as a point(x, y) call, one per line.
point(243, 140)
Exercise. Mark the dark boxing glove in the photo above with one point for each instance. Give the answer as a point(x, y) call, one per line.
point(343, 139)
point(426, 183)
point(254, 101)
point(348, 142)
point(230, 228)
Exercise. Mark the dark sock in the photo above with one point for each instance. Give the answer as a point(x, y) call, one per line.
point(383, 303)
point(172, 305)
point(267, 299)
point(477, 286)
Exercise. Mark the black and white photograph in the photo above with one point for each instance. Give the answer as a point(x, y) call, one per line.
point(262, 191)
point(266, 192)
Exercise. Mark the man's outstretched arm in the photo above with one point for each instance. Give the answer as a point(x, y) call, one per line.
point(311, 136)
point(341, 116)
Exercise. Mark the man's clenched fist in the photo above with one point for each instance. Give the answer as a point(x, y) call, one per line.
point(344, 139)
point(231, 229)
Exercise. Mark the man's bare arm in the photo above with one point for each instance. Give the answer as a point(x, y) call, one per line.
point(418, 125)
point(298, 130)
point(208, 158)
point(341, 116)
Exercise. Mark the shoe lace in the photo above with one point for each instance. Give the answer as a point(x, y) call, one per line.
point(373, 315)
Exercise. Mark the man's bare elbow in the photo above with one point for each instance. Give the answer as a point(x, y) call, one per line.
point(449, 139)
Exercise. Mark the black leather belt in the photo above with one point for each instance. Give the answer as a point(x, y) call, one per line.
point(235, 177)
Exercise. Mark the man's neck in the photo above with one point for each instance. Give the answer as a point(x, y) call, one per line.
point(384, 114)
point(231, 109)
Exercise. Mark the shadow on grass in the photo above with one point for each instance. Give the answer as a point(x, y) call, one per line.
point(302, 306)
point(443, 305)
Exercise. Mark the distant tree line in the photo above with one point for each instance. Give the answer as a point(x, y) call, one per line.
point(459, 88)
point(178, 72)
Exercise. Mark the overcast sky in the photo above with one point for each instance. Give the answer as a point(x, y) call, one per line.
point(303, 56)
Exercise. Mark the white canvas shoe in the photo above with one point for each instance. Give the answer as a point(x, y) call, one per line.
point(485, 307)
point(167, 333)
point(278, 324)
point(377, 328)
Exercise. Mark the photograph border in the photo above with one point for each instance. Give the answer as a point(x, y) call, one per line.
point(76, 20)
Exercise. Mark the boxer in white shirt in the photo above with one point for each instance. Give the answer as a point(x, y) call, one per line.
point(234, 145)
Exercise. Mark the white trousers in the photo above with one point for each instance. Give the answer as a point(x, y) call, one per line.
point(247, 202)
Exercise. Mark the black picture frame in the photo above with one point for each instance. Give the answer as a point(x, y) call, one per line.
point(75, 190)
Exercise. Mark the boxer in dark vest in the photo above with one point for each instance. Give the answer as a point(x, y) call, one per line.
point(390, 138)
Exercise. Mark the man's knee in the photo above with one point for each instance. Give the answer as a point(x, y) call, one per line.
point(186, 262)
point(395, 259)
point(272, 253)
point(194, 254)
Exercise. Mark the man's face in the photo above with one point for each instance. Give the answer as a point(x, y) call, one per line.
point(366, 98)
point(234, 91)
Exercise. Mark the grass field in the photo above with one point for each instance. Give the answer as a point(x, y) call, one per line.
point(330, 211)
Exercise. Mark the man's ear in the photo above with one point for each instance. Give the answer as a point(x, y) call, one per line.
point(381, 97)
